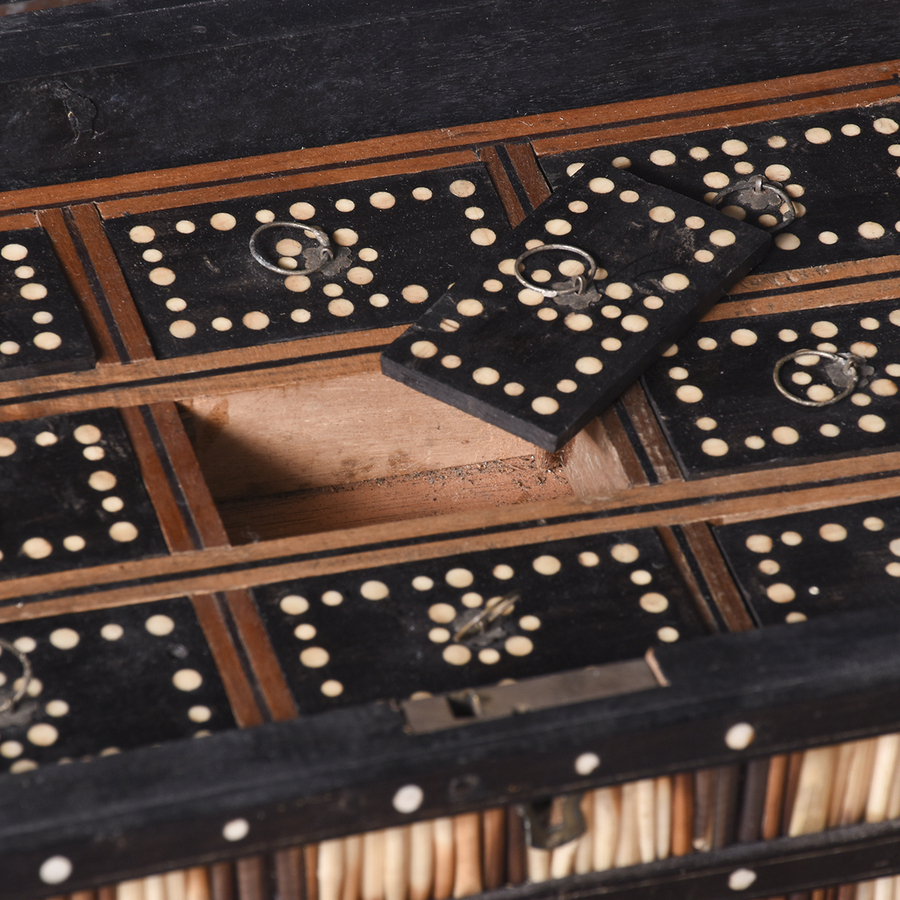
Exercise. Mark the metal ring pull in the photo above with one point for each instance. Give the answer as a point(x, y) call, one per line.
point(843, 369)
point(751, 194)
point(10, 701)
point(316, 258)
point(578, 285)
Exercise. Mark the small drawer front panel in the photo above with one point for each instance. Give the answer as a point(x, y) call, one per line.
point(41, 329)
point(841, 169)
point(716, 397)
point(399, 241)
point(798, 566)
point(107, 680)
point(539, 363)
point(72, 496)
point(390, 632)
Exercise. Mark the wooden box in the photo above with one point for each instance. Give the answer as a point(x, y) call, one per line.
point(239, 560)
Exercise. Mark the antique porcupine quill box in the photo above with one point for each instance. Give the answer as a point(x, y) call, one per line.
point(275, 625)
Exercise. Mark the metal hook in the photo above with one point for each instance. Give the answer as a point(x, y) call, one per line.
point(753, 191)
point(10, 701)
point(316, 258)
point(844, 370)
point(577, 285)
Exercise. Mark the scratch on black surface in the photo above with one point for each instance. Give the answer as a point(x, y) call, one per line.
point(81, 111)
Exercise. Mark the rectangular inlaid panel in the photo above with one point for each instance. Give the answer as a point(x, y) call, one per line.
point(41, 329)
point(473, 619)
point(541, 366)
point(841, 169)
point(72, 495)
point(106, 680)
point(397, 241)
point(716, 395)
point(802, 565)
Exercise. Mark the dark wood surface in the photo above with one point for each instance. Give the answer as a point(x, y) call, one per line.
point(542, 367)
point(168, 805)
point(108, 87)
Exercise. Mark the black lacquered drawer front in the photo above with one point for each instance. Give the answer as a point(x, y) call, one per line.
point(397, 241)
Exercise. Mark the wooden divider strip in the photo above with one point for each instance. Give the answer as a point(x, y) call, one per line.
point(171, 520)
point(199, 501)
point(228, 661)
point(792, 279)
point(515, 212)
point(270, 184)
point(715, 572)
point(260, 655)
point(656, 446)
point(625, 451)
point(676, 554)
point(660, 125)
point(100, 329)
point(181, 538)
point(314, 555)
point(112, 282)
point(529, 172)
point(20, 220)
point(842, 295)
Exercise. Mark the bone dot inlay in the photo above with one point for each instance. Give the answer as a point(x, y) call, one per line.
point(547, 565)
point(654, 602)
point(459, 578)
point(457, 654)
point(518, 645)
point(716, 180)
point(780, 593)
point(545, 406)
point(785, 241)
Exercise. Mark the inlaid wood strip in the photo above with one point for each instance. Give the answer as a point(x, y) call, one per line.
point(261, 657)
point(847, 295)
point(271, 184)
point(22, 220)
point(240, 362)
point(180, 538)
point(147, 389)
point(792, 279)
point(529, 172)
point(112, 282)
point(720, 117)
point(200, 504)
point(748, 102)
point(624, 450)
point(716, 500)
point(652, 439)
point(170, 518)
point(676, 554)
point(228, 662)
point(500, 179)
point(54, 224)
point(722, 587)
